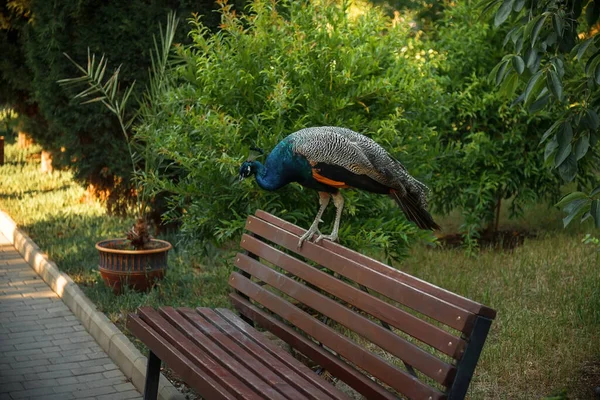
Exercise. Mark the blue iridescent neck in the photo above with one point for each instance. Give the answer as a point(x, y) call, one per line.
point(268, 178)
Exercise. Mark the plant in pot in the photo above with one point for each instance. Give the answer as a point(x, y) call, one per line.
point(138, 260)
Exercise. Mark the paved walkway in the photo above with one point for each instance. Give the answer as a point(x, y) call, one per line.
point(45, 352)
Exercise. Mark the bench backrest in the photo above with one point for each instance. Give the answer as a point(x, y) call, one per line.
point(394, 323)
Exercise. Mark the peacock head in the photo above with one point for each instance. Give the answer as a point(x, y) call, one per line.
point(250, 166)
point(247, 169)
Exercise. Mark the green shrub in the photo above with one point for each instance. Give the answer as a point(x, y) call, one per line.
point(490, 148)
point(271, 72)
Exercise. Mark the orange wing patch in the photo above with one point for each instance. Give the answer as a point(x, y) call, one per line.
point(327, 181)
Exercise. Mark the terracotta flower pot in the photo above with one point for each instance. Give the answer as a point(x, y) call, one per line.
point(137, 269)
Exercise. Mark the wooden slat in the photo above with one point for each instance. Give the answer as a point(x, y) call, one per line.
point(422, 302)
point(450, 297)
point(249, 370)
point(279, 358)
point(261, 362)
point(425, 362)
point(394, 377)
point(408, 323)
point(181, 364)
point(208, 364)
point(338, 368)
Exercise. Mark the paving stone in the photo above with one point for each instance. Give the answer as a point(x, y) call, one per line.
point(45, 351)
point(132, 394)
point(91, 393)
point(11, 387)
point(39, 383)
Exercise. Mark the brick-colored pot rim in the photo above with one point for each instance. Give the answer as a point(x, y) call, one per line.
point(166, 247)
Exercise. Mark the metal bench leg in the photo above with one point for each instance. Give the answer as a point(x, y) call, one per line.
point(152, 377)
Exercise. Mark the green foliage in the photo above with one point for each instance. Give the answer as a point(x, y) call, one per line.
point(267, 74)
point(560, 47)
point(489, 149)
point(108, 92)
point(32, 43)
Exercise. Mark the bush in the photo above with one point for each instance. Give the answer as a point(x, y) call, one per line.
point(271, 72)
point(490, 148)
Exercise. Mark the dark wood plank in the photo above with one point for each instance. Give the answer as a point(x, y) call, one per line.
point(337, 367)
point(275, 356)
point(427, 287)
point(389, 374)
point(230, 356)
point(260, 362)
point(198, 356)
point(408, 323)
point(181, 364)
point(422, 302)
point(425, 362)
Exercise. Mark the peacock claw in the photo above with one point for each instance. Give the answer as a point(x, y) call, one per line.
point(333, 238)
point(309, 233)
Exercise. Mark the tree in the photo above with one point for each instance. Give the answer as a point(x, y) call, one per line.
point(488, 150)
point(33, 37)
point(555, 64)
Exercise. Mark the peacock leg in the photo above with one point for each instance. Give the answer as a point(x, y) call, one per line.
point(338, 201)
point(314, 228)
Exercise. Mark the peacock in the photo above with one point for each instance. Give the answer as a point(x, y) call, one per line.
point(328, 159)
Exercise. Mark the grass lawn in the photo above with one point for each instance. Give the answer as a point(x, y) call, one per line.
point(546, 338)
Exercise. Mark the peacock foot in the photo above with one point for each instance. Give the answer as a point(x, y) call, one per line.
point(333, 237)
point(309, 233)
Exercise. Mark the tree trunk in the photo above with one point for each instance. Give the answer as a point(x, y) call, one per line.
point(46, 164)
point(23, 140)
point(1, 150)
point(497, 222)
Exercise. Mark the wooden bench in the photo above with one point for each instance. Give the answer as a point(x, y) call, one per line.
point(383, 332)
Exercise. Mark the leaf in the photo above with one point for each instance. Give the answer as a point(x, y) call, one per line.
point(582, 47)
point(574, 205)
point(510, 85)
point(530, 57)
point(591, 119)
point(595, 191)
point(590, 62)
point(519, 45)
point(530, 25)
point(503, 12)
point(576, 208)
point(549, 132)
point(595, 212)
point(568, 168)
point(591, 13)
point(518, 6)
point(518, 64)
point(501, 72)
point(597, 74)
point(550, 148)
point(540, 102)
point(554, 84)
point(509, 36)
point(532, 87)
point(536, 29)
point(562, 154)
point(565, 134)
point(559, 65)
point(582, 145)
point(558, 24)
point(570, 197)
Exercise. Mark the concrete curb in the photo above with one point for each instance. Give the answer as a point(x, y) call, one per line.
point(127, 357)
